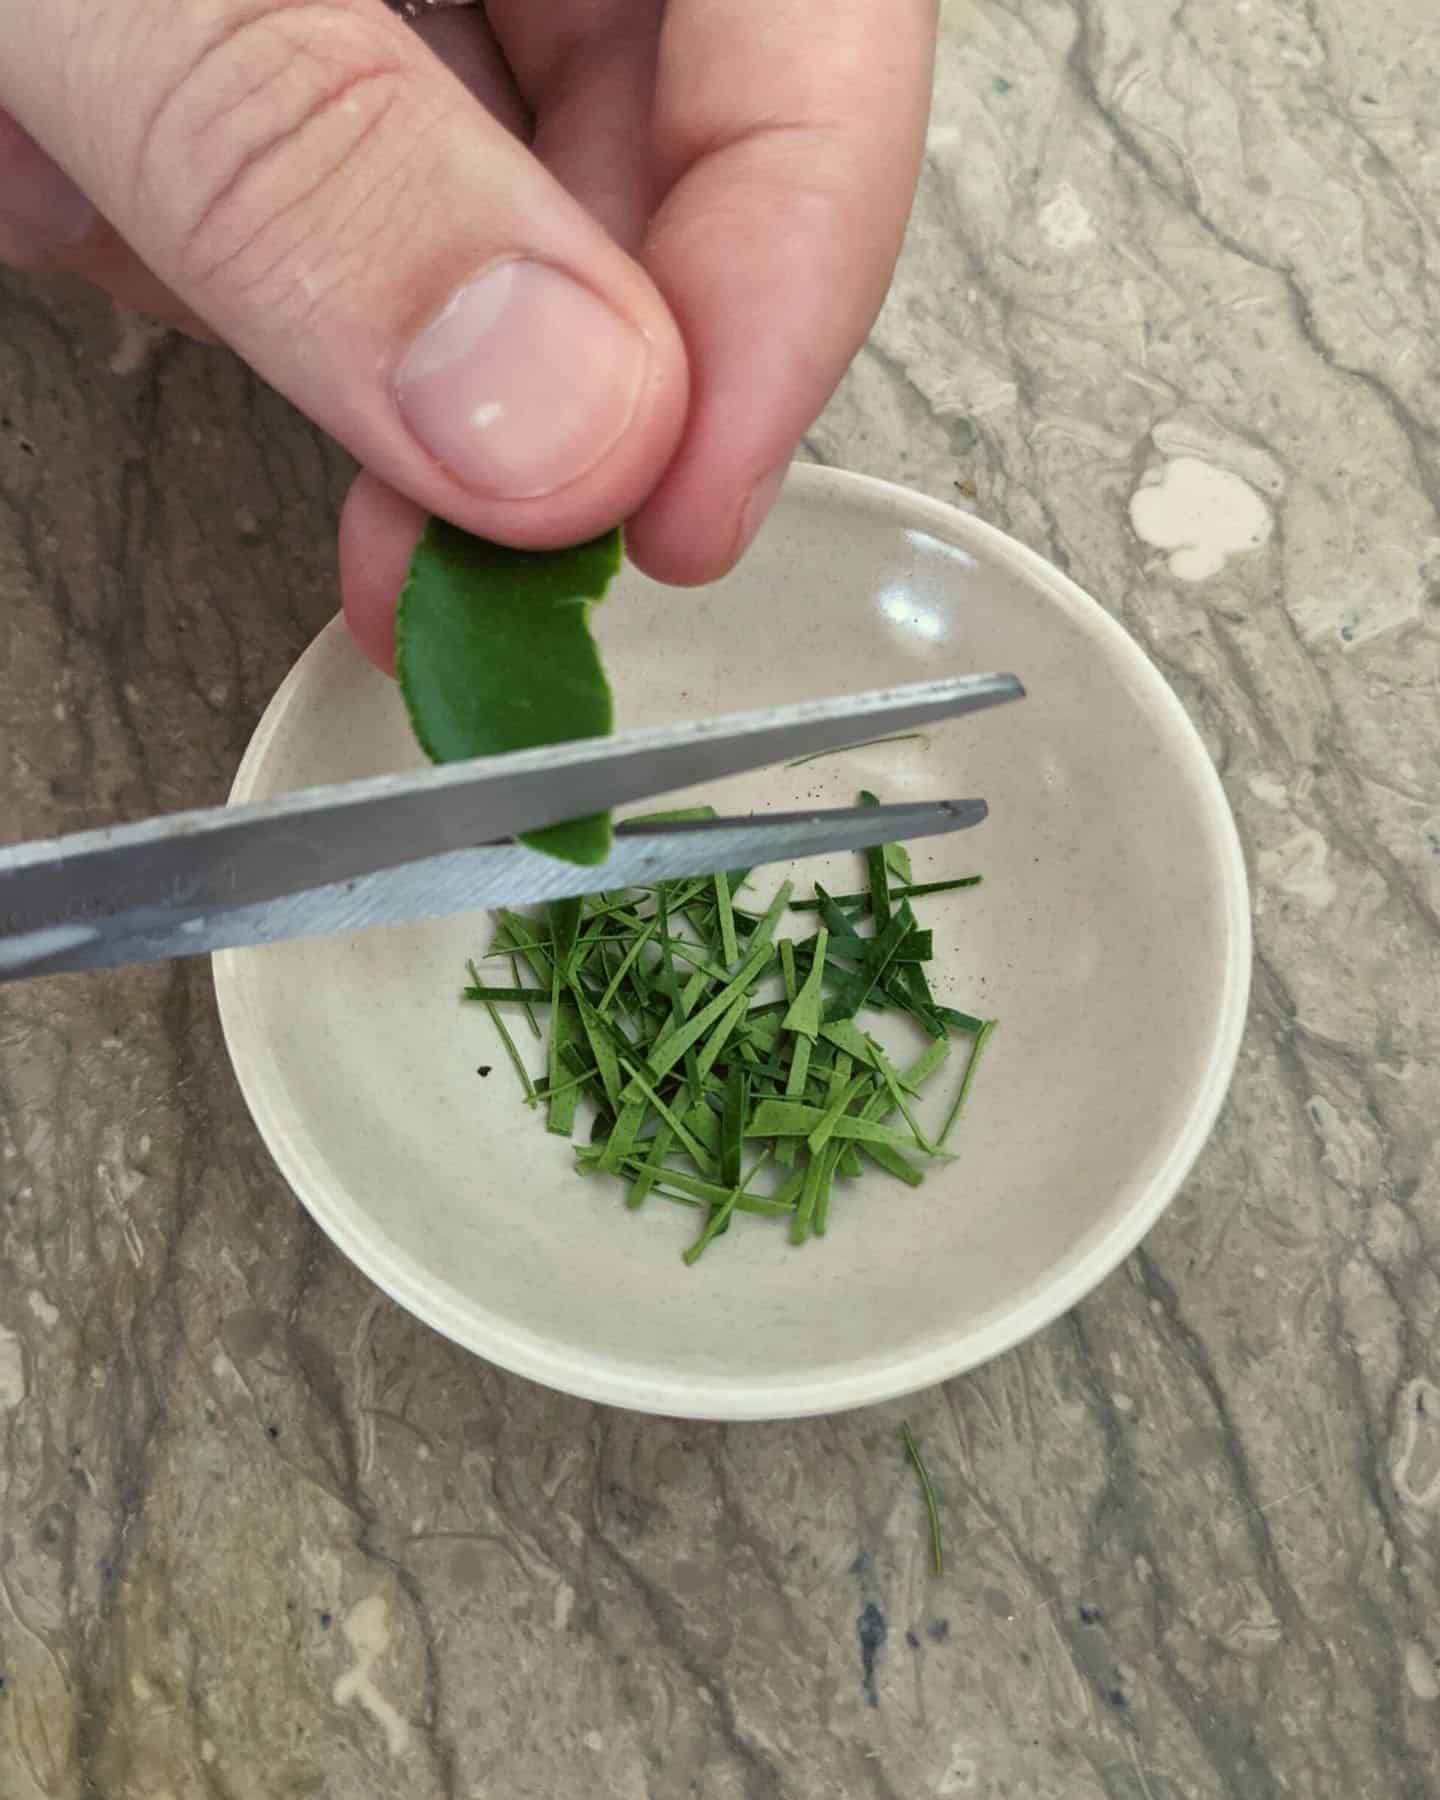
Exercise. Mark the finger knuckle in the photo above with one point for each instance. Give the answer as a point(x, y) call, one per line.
point(259, 137)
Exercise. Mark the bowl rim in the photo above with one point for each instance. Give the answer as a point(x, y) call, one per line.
point(861, 1382)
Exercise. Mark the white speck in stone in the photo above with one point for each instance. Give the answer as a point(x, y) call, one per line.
point(367, 1631)
point(1416, 1468)
point(1300, 867)
point(1122, 1403)
point(1421, 1672)
point(208, 1752)
point(224, 1370)
point(1200, 516)
point(594, 1741)
point(59, 711)
point(12, 1370)
point(564, 1605)
point(47, 1314)
point(1065, 221)
point(962, 1775)
point(1269, 790)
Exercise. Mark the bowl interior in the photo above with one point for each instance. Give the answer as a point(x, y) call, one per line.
point(1109, 938)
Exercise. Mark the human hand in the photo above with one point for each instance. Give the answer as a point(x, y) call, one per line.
point(538, 268)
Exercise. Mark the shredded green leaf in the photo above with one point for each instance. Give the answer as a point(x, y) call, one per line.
point(932, 1506)
point(692, 1035)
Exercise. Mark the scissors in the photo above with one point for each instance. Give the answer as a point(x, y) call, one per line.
point(439, 841)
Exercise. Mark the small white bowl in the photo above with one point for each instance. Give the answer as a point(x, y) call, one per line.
point(1111, 939)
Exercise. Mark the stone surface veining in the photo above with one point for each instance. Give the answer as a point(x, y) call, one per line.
point(1170, 313)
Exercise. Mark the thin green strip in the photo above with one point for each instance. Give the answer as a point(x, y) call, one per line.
point(982, 1038)
point(932, 1506)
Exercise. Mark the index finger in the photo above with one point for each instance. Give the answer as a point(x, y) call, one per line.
point(789, 134)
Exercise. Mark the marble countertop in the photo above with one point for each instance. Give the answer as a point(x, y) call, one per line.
point(1170, 313)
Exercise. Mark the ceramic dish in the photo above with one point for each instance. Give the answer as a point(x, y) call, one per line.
point(1110, 938)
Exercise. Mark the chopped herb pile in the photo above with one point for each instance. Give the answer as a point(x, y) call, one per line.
point(727, 1068)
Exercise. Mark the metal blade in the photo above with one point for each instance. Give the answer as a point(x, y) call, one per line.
point(230, 857)
point(471, 881)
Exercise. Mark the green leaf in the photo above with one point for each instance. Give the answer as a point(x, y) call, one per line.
point(897, 861)
point(729, 949)
point(977, 1050)
point(493, 653)
point(720, 1036)
point(564, 931)
point(880, 952)
point(671, 1045)
point(814, 1196)
point(932, 1506)
point(732, 1124)
point(653, 1168)
point(877, 862)
point(803, 1015)
point(564, 1100)
point(602, 1048)
point(698, 1153)
point(783, 1118)
point(840, 1100)
point(893, 1162)
point(913, 891)
point(516, 1061)
point(845, 1035)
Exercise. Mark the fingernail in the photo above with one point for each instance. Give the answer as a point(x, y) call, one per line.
point(37, 197)
point(757, 508)
point(523, 383)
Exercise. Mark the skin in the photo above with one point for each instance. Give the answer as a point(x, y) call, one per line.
point(309, 181)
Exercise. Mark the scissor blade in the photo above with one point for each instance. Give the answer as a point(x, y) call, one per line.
point(229, 857)
point(474, 880)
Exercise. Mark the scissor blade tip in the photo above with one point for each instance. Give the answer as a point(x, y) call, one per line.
point(961, 813)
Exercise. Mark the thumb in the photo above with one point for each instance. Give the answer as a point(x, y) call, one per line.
point(318, 189)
